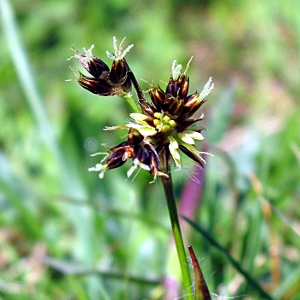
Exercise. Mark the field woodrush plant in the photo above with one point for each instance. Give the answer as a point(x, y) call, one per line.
point(158, 130)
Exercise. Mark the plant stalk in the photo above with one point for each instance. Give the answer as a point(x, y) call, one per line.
point(170, 197)
point(130, 101)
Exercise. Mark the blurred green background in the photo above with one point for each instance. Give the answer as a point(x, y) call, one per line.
point(65, 234)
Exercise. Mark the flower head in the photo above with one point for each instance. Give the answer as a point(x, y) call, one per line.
point(105, 81)
point(163, 126)
point(137, 148)
point(168, 119)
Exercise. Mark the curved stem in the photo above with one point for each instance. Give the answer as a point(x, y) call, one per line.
point(170, 197)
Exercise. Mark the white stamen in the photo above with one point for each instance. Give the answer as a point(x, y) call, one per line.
point(209, 86)
point(118, 54)
point(86, 56)
point(88, 53)
point(137, 164)
point(99, 168)
point(176, 69)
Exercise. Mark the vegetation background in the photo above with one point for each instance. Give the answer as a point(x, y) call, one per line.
point(65, 234)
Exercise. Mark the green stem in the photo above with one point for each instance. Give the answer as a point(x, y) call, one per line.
point(130, 101)
point(170, 197)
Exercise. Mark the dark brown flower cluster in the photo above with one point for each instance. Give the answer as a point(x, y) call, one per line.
point(158, 128)
point(105, 81)
point(175, 101)
point(142, 153)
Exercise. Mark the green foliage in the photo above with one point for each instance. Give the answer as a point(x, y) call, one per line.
point(64, 234)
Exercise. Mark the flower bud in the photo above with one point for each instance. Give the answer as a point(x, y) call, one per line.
point(118, 73)
point(119, 155)
point(126, 86)
point(116, 159)
point(134, 137)
point(191, 105)
point(147, 108)
point(140, 154)
point(173, 106)
point(97, 68)
point(178, 88)
point(98, 86)
point(191, 100)
point(192, 155)
point(158, 97)
point(153, 160)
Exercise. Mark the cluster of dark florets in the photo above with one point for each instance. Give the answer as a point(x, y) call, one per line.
point(160, 128)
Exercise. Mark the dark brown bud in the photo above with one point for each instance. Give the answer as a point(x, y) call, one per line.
point(186, 123)
point(184, 86)
point(178, 88)
point(192, 155)
point(153, 159)
point(134, 137)
point(119, 155)
point(119, 146)
point(192, 105)
point(147, 109)
point(116, 159)
point(118, 73)
point(173, 106)
point(97, 68)
point(141, 154)
point(171, 87)
point(158, 97)
point(191, 99)
point(98, 86)
point(126, 86)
